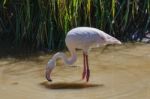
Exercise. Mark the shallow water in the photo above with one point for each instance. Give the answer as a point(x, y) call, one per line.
point(118, 72)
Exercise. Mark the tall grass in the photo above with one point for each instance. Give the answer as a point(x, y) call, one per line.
point(40, 24)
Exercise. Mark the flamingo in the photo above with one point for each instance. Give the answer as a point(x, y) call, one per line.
point(80, 38)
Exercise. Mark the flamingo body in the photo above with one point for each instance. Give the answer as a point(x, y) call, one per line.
point(85, 37)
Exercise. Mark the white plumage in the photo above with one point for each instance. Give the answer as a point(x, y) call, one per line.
point(81, 38)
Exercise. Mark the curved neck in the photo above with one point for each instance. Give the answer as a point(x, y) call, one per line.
point(66, 60)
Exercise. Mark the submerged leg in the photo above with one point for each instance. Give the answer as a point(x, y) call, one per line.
point(84, 67)
point(87, 68)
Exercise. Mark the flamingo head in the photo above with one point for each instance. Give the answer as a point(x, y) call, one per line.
point(49, 67)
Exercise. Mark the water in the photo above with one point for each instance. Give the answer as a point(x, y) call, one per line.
point(118, 72)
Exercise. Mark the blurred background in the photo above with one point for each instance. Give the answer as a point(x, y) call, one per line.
point(33, 25)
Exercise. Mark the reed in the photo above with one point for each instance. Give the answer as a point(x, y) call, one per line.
point(43, 24)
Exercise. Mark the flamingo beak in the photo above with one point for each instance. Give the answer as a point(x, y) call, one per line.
point(47, 75)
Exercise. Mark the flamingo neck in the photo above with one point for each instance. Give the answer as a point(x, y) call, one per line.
point(66, 60)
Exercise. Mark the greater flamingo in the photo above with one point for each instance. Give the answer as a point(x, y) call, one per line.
point(81, 38)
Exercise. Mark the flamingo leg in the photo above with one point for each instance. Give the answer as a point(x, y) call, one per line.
point(84, 68)
point(87, 69)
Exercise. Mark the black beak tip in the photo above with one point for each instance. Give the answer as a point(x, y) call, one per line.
point(49, 80)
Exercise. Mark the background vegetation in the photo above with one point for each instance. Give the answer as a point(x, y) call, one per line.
point(43, 24)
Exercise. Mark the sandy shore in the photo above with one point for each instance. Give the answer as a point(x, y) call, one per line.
point(119, 72)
